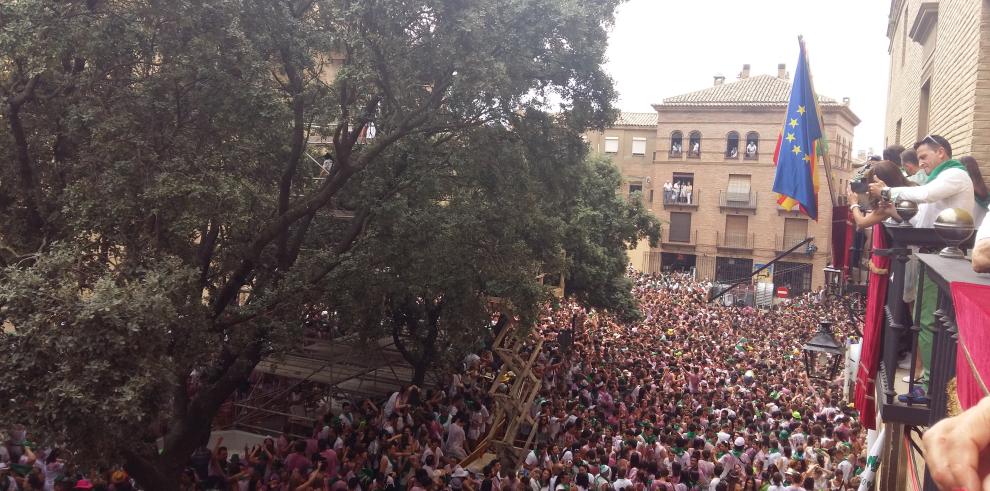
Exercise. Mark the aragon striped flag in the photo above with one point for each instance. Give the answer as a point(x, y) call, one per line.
point(800, 145)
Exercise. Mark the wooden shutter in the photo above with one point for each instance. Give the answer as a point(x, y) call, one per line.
point(795, 230)
point(736, 229)
point(680, 227)
point(738, 188)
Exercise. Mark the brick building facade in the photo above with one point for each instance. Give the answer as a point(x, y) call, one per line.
point(720, 141)
point(940, 75)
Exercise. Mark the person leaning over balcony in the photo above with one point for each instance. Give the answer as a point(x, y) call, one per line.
point(957, 449)
point(981, 251)
point(911, 166)
point(948, 186)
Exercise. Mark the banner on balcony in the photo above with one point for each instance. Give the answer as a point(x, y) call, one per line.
point(973, 355)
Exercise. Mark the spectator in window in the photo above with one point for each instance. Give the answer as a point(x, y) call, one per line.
point(911, 166)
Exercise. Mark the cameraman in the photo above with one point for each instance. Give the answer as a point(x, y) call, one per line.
point(888, 172)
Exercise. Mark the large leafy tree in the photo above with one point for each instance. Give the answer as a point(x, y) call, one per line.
point(499, 206)
point(158, 211)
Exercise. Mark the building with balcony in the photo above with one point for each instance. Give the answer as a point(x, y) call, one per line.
point(940, 78)
point(703, 163)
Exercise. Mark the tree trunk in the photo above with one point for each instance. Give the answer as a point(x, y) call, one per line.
point(419, 371)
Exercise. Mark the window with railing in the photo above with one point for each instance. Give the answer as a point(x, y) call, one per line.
point(738, 190)
point(680, 227)
point(736, 231)
point(795, 231)
point(681, 191)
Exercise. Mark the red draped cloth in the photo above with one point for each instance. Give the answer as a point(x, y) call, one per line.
point(973, 350)
point(869, 355)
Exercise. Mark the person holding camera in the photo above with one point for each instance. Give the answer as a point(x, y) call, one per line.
point(948, 185)
point(887, 172)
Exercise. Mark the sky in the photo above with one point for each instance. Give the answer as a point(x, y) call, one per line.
point(663, 48)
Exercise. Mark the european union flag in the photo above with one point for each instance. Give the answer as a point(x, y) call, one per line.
point(798, 146)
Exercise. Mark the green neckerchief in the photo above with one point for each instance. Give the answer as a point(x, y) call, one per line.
point(737, 453)
point(948, 164)
point(984, 203)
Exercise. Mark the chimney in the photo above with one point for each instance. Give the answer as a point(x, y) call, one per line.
point(719, 79)
point(745, 72)
point(782, 72)
point(845, 101)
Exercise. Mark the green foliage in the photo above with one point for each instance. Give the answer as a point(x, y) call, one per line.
point(601, 227)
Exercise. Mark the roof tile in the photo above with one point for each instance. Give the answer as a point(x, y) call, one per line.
point(759, 90)
point(636, 119)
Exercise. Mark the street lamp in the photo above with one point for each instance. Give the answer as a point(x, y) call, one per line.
point(823, 354)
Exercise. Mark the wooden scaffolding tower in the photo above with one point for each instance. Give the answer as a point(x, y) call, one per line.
point(518, 352)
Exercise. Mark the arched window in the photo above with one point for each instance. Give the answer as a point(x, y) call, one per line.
point(732, 145)
point(676, 144)
point(694, 145)
point(752, 146)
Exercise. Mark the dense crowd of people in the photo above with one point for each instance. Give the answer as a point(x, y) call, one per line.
point(695, 396)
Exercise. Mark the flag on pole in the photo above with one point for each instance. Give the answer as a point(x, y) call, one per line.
point(800, 145)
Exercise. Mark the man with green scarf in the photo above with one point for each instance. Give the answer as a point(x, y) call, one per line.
point(948, 186)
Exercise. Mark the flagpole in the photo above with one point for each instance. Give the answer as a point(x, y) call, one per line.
point(826, 159)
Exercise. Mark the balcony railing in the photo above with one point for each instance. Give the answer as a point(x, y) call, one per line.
point(679, 201)
point(902, 329)
point(785, 242)
point(736, 241)
point(737, 200)
point(680, 237)
point(751, 156)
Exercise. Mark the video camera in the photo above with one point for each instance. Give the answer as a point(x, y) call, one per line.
point(858, 183)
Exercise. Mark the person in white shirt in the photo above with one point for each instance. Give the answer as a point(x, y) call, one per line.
point(948, 186)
